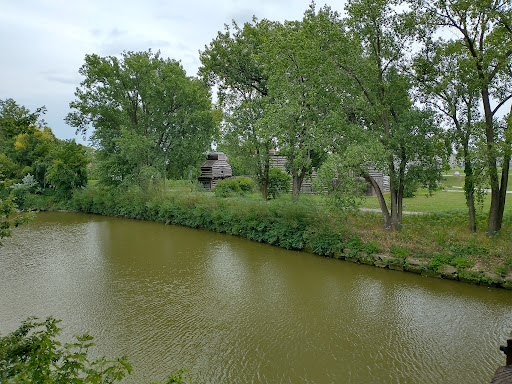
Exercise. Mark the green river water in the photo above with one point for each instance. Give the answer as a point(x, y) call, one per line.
point(236, 311)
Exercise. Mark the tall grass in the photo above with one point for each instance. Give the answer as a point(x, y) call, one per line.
point(303, 226)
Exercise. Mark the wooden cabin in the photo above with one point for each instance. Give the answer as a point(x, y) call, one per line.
point(382, 181)
point(215, 168)
point(279, 161)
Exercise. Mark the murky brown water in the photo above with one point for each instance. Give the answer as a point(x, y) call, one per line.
point(234, 311)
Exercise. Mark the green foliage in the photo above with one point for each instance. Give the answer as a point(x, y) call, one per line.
point(8, 168)
point(68, 169)
point(232, 62)
point(20, 195)
point(20, 191)
point(299, 97)
point(32, 354)
point(28, 182)
point(336, 176)
point(371, 247)
point(501, 270)
point(149, 178)
point(33, 152)
point(9, 218)
point(16, 120)
point(176, 378)
point(461, 262)
point(326, 243)
point(479, 80)
point(227, 187)
point(375, 123)
point(32, 158)
point(458, 255)
point(439, 260)
point(278, 222)
point(399, 252)
point(278, 182)
point(410, 189)
point(239, 186)
point(145, 112)
point(246, 184)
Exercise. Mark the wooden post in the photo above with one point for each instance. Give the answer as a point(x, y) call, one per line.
point(507, 350)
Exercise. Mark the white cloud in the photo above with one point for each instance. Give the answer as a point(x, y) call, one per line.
point(44, 42)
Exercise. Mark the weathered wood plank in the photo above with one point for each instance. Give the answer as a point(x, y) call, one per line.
point(503, 375)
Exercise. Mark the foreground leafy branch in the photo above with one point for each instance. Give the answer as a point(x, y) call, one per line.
point(9, 219)
point(32, 354)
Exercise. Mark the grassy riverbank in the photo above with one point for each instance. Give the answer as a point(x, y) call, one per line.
point(437, 244)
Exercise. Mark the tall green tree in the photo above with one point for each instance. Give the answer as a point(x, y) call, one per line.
point(299, 98)
point(447, 83)
point(33, 152)
point(367, 54)
point(484, 29)
point(230, 62)
point(145, 109)
point(22, 134)
point(68, 169)
point(15, 120)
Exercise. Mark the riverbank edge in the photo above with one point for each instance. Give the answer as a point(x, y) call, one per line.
point(295, 231)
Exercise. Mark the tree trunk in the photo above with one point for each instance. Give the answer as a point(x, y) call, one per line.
point(469, 178)
point(494, 223)
point(264, 180)
point(504, 182)
point(394, 196)
point(469, 189)
point(400, 200)
point(382, 201)
point(297, 182)
point(401, 187)
point(263, 169)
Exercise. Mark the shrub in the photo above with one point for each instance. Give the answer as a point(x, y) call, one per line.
point(234, 187)
point(439, 260)
point(227, 187)
point(278, 182)
point(461, 262)
point(246, 184)
point(501, 270)
point(399, 252)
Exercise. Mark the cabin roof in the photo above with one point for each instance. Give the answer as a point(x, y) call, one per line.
point(217, 156)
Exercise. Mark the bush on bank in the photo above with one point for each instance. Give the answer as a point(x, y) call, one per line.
point(304, 226)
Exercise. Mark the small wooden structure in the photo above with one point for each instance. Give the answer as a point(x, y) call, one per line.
point(504, 374)
point(382, 181)
point(215, 168)
point(279, 161)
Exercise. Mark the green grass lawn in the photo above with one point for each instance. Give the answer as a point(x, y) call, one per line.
point(450, 180)
point(437, 202)
point(423, 202)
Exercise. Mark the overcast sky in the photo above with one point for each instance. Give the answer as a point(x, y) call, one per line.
point(43, 42)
